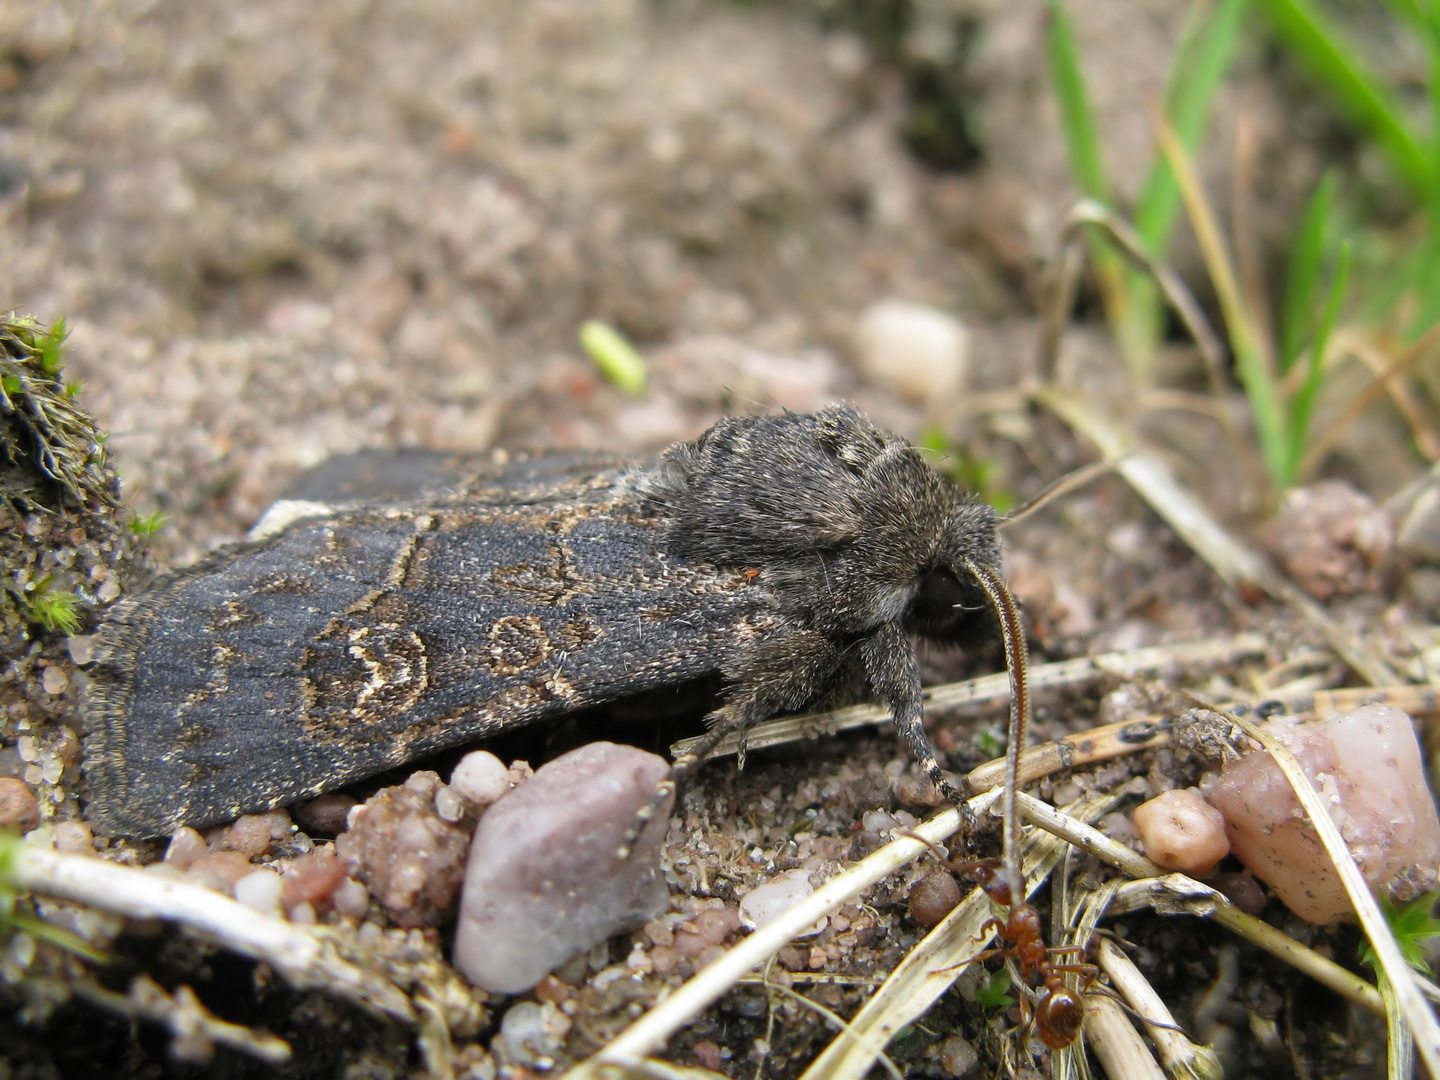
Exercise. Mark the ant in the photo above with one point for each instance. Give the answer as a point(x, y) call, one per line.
point(1059, 1013)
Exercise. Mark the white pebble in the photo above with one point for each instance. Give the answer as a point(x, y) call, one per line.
point(55, 681)
point(303, 912)
point(261, 890)
point(73, 837)
point(449, 806)
point(481, 777)
point(352, 898)
point(913, 350)
point(533, 1033)
point(766, 903)
point(82, 648)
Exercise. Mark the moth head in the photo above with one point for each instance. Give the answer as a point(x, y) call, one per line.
point(949, 602)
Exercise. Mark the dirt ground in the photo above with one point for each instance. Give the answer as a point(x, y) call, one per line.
point(284, 232)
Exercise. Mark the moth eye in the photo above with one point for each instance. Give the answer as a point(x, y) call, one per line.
point(940, 600)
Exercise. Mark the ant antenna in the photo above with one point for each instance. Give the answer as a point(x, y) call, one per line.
point(1071, 481)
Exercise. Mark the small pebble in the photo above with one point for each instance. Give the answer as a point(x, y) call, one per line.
point(73, 837)
point(261, 890)
point(766, 903)
point(18, 808)
point(313, 878)
point(552, 990)
point(252, 833)
point(186, 846)
point(1331, 539)
point(533, 1033)
point(352, 898)
point(707, 1055)
point(327, 814)
point(220, 870)
point(1242, 890)
point(449, 804)
point(409, 858)
point(913, 350)
point(481, 777)
point(1181, 831)
point(301, 913)
point(933, 897)
point(81, 648)
point(55, 681)
point(957, 1056)
point(708, 928)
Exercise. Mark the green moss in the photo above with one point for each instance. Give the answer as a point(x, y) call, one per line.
point(57, 610)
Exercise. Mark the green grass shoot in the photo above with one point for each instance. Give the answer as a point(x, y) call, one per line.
point(991, 994)
point(52, 348)
point(1412, 926)
point(57, 610)
point(616, 358)
point(1132, 302)
point(148, 524)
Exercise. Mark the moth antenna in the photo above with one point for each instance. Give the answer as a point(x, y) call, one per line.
point(1071, 481)
point(1017, 659)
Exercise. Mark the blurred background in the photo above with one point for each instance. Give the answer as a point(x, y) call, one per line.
point(280, 232)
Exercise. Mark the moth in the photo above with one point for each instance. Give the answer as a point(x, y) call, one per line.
point(796, 556)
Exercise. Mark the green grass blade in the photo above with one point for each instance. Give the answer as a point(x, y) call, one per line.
point(1307, 259)
point(1082, 138)
point(1356, 92)
point(1303, 407)
point(1250, 359)
point(1134, 331)
point(1199, 68)
point(1410, 11)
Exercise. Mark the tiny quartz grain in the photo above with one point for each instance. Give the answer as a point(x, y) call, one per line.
point(1181, 831)
point(186, 847)
point(481, 777)
point(766, 903)
point(260, 889)
point(352, 898)
point(73, 837)
point(18, 808)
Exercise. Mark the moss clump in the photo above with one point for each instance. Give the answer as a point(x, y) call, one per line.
point(52, 454)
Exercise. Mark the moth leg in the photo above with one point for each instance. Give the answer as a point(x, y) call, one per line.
point(777, 676)
point(894, 672)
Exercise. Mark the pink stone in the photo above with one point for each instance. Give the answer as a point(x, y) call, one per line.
point(1368, 768)
point(18, 807)
point(543, 883)
point(313, 878)
point(186, 846)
